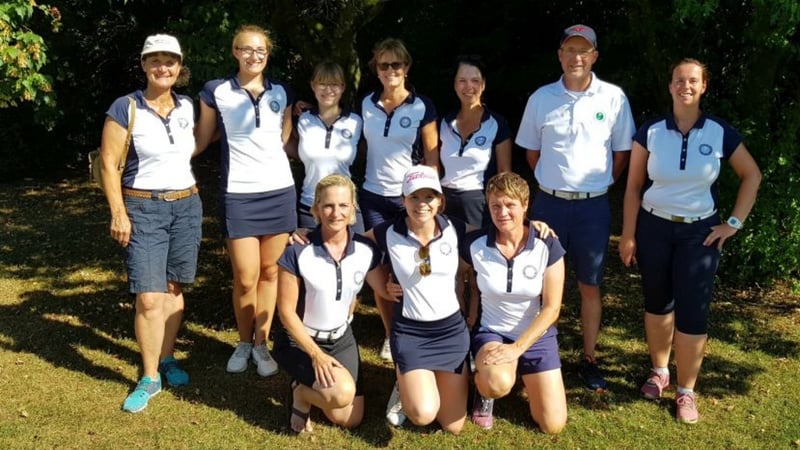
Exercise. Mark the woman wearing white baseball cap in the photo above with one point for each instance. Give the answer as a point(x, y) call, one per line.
point(156, 214)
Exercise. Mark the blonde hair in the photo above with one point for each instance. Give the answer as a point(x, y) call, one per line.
point(390, 45)
point(244, 29)
point(509, 184)
point(328, 72)
point(335, 180)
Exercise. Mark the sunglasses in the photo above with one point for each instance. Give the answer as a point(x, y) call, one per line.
point(425, 265)
point(396, 65)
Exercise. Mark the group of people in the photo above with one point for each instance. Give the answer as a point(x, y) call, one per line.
point(461, 268)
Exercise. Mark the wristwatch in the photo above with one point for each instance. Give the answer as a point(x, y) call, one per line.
point(735, 223)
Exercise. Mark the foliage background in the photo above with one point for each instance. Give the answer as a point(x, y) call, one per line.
point(83, 54)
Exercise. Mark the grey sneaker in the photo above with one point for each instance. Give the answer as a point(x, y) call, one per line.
point(263, 360)
point(237, 363)
point(394, 409)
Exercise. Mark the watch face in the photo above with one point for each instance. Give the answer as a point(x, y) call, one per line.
point(734, 222)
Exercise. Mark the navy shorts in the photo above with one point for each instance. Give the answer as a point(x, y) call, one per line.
point(306, 220)
point(259, 214)
point(469, 206)
point(539, 357)
point(165, 241)
point(678, 271)
point(296, 362)
point(439, 345)
point(583, 228)
point(377, 209)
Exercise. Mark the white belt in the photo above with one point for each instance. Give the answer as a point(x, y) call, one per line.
point(567, 195)
point(674, 218)
point(326, 335)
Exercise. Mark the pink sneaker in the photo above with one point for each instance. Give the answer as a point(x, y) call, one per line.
point(655, 385)
point(686, 408)
point(482, 411)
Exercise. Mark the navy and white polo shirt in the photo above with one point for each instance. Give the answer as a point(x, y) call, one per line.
point(161, 148)
point(575, 133)
point(425, 298)
point(511, 289)
point(252, 154)
point(325, 150)
point(394, 141)
point(328, 288)
point(684, 169)
point(465, 163)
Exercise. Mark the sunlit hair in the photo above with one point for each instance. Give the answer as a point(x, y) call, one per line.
point(328, 72)
point(183, 75)
point(244, 29)
point(393, 46)
point(335, 180)
point(696, 62)
point(509, 184)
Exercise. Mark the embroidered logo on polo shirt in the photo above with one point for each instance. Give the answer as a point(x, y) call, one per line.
point(705, 149)
point(274, 106)
point(445, 248)
point(529, 272)
point(405, 122)
point(600, 116)
point(358, 277)
point(347, 134)
point(480, 140)
point(183, 123)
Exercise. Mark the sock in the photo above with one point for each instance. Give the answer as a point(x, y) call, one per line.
point(683, 390)
point(661, 370)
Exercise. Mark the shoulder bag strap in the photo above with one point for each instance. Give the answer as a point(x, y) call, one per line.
point(132, 116)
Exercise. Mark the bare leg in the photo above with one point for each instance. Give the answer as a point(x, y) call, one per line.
point(659, 331)
point(591, 313)
point(149, 327)
point(173, 313)
point(689, 350)
point(244, 255)
point(547, 400)
point(271, 248)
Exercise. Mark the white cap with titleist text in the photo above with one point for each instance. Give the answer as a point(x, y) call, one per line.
point(421, 177)
point(161, 43)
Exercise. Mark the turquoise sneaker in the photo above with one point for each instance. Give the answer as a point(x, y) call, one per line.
point(172, 372)
point(145, 390)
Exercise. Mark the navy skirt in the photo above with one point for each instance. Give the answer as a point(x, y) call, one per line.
point(259, 214)
point(440, 345)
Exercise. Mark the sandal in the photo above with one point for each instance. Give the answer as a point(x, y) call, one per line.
point(302, 416)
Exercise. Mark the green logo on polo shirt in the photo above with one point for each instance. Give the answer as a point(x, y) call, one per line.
point(600, 116)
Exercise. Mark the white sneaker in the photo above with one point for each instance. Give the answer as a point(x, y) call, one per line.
point(394, 409)
point(386, 350)
point(263, 360)
point(237, 363)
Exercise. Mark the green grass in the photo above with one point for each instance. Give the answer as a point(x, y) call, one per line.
point(68, 357)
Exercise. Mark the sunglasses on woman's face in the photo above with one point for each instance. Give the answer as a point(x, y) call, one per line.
point(425, 265)
point(396, 65)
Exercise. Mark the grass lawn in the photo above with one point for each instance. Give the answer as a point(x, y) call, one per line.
point(68, 357)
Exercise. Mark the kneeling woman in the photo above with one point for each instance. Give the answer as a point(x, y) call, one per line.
point(316, 345)
point(520, 275)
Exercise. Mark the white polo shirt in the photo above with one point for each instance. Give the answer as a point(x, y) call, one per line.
point(161, 148)
point(425, 298)
point(252, 154)
point(394, 141)
point(576, 133)
point(465, 163)
point(684, 169)
point(511, 290)
point(328, 288)
point(325, 150)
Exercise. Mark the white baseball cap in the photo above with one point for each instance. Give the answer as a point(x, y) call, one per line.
point(421, 177)
point(161, 43)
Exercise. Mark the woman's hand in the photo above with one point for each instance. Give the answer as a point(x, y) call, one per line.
point(301, 106)
point(719, 233)
point(121, 228)
point(394, 290)
point(323, 368)
point(502, 354)
point(300, 236)
point(543, 229)
point(627, 250)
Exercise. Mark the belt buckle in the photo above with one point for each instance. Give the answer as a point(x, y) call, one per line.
point(574, 196)
point(171, 196)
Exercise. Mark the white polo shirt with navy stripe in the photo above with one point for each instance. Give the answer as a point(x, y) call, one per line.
point(465, 161)
point(684, 169)
point(394, 141)
point(511, 289)
point(252, 154)
point(328, 287)
point(576, 133)
point(425, 298)
point(161, 148)
point(325, 150)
